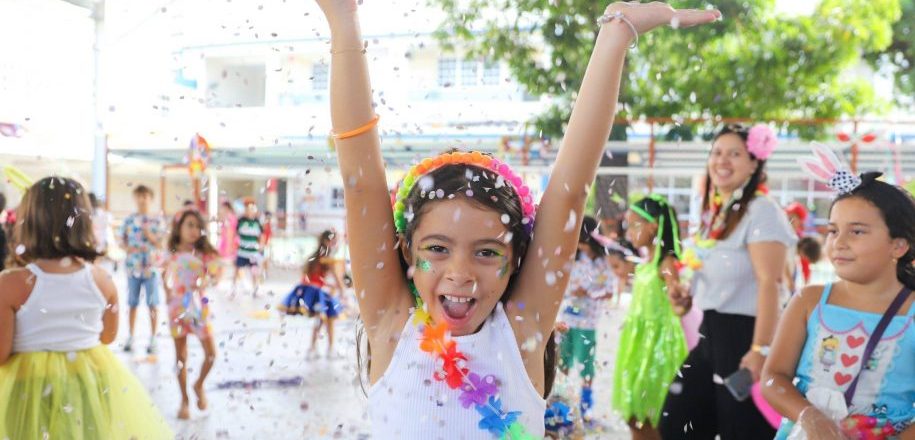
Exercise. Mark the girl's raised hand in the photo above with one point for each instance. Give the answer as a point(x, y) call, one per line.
point(337, 10)
point(647, 16)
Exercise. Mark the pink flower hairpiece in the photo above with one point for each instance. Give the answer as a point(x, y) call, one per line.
point(826, 167)
point(761, 141)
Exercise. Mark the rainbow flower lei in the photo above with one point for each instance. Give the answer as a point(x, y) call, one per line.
point(479, 392)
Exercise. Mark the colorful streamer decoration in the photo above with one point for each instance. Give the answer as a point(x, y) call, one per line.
point(198, 156)
point(17, 178)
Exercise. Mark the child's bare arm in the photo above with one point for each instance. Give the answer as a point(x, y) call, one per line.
point(110, 315)
point(377, 276)
point(7, 320)
point(338, 280)
point(669, 272)
point(166, 279)
point(559, 219)
point(781, 364)
point(15, 287)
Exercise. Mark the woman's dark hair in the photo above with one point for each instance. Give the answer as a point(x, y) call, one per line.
point(733, 216)
point(666, 217)
point(897, 207)
point(486, 190)
point(314, 265)
point(55, 221)
point(94, 202)
point(588, 226)
point(202, 245)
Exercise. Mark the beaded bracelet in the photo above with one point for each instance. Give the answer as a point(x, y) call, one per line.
point(610, 16)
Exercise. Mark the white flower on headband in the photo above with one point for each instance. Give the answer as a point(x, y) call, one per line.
point(828, 168)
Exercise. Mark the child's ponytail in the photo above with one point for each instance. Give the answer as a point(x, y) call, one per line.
point(905, 268)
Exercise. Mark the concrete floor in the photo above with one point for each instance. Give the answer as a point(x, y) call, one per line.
point(257, 343)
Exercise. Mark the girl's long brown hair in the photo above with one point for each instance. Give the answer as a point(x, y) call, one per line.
point(202, 245)
point(314, 265)
point(54, 221)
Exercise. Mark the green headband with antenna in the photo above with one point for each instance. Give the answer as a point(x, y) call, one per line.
point(660, 222)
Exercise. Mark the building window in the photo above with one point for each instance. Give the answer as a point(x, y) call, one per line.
point(319, 77)
point(447, 69)
point(491, 73)
point(236, 82)
point(336, 199)
point(469, 73)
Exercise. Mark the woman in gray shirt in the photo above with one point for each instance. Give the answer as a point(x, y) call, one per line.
point(746, 237)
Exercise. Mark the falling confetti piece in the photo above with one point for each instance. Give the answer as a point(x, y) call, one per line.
point(550, 278)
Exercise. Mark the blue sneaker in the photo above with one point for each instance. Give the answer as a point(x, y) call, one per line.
point(587, 402)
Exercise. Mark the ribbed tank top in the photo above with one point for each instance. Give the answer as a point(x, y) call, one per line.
point(63, 313)
point(407, 403)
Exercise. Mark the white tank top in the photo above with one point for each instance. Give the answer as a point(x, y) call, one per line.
point(63, 313)
point(407, 403)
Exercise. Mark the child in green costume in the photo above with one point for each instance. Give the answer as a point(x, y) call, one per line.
point(652, 344)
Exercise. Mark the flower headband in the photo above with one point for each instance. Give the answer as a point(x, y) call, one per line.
point(427, 165)
point(826, 167)
point(761, 141)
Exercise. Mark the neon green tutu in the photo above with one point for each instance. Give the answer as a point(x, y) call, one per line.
point(81, 395)
point(652, 347)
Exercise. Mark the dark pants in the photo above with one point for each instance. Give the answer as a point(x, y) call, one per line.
point(697, 407)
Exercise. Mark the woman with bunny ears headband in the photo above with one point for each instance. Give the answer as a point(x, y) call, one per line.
point(867, 317)
point(742, 243)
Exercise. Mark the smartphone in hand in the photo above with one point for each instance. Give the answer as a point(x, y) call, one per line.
point(739, 384)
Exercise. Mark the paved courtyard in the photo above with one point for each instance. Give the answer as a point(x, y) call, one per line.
point(264, 385)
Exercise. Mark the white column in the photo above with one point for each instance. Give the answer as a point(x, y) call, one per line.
point(212, 185)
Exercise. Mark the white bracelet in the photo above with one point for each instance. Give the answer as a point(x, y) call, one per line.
point(610, 16)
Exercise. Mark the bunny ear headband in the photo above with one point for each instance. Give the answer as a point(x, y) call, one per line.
point(611, 244)
point(828, 168)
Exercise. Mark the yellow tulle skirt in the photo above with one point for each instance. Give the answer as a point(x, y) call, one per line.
point(80, 395)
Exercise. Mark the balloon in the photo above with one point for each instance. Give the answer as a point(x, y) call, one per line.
point(690, 322)
point(772, 416)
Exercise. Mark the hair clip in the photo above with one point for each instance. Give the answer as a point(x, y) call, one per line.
point(828, 168)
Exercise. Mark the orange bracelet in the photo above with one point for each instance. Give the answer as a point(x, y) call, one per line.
point(353, 133)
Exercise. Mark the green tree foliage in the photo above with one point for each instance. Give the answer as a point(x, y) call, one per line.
point(753, 64)
point(899, 57)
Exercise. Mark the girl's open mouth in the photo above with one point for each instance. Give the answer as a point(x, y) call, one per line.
point(457, 309)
